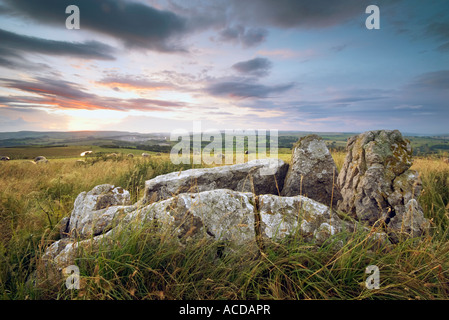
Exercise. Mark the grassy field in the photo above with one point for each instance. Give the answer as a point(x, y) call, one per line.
point(147, 265)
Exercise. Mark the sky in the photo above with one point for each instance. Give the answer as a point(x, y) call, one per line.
point(162, 65)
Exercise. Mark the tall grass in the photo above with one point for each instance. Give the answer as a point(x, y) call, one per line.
point(145, 264)
point(34, 197)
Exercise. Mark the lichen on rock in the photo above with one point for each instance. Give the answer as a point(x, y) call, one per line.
point(377, 184)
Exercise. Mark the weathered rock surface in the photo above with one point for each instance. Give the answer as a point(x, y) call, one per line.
point(377, 184)
point(221, 215)
point(95, 211)
point(282, 216)
point(262, 176)
point(313, 172)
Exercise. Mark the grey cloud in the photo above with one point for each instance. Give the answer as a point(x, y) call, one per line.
point(255, 67)
point(48, 87)
point(439, 31)
point(153, 102)
point(298, 13)
point(235, 89)
point(437, 80)
point(135, 24)
point(247, 37)
point(12, 43)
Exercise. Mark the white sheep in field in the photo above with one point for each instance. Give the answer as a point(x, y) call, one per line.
point(145, 155)
point(40, 159)
point(85, 153)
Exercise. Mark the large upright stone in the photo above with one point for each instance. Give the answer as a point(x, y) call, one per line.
point(377, 184)
point(313, 172)
point(262, 176)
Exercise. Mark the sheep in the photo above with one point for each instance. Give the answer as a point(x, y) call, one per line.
point(145, 155)
point(85, 153)
point(112, 155)
point(4, 158)
point(130, 155)
point(40, 159)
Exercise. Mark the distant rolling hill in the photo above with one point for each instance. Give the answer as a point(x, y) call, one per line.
point(160, 142)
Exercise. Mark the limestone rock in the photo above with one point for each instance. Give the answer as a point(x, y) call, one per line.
point(313, 172)
point(95, 211)
point(221, 215)
point(265, 175)
point(282, 216)
point(225, 215)
point(377, 184)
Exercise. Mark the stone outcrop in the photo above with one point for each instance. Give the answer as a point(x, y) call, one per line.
point(313, 172)
point(281, 216)
point(262, 176)
point(95, 211)
point(245, 205)
point(378, 186)
point(237, 219)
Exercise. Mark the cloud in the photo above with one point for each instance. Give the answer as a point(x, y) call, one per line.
point(255, 67)
point(60, 94)
point(131, 82)
point(14, 45)
point(298, 13)
point(436, 80)
point(239, 90)
point(247, 37)
point(135, 24)
point(439, 31)
point(48, 87)
point(408, 107)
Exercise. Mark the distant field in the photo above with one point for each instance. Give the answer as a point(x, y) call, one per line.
point(27, 145)
point(67, 152)
point(61, 152)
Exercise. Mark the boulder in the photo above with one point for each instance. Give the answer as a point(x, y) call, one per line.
point(262, 176)
point(95, 211)
point(281, 216)
point(223, 215)
point(313, 172)
point(377, 185)
point(236, 219)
